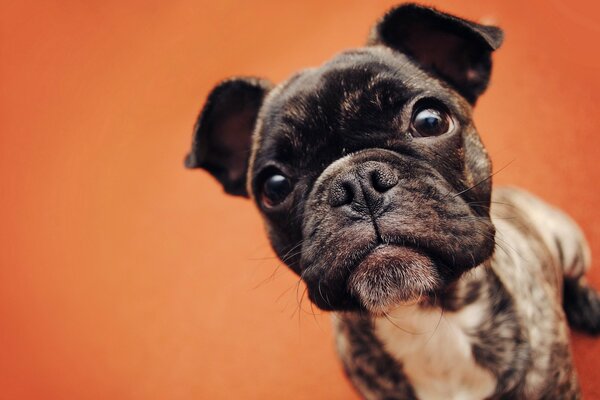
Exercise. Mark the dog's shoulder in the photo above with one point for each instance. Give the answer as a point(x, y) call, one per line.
point(538, 230)
point(537, 246)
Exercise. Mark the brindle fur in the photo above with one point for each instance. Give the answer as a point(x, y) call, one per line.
point(437, 240)
point(525, 340)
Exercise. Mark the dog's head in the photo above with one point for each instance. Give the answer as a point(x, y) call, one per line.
point(368, 170)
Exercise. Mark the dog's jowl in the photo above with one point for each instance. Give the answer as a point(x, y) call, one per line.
point(376, 189)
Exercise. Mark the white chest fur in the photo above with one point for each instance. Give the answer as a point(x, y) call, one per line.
point(435, 351)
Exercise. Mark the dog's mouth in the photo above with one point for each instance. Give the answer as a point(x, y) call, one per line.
point(359, 268)
point(377, 279)
point(391, 275)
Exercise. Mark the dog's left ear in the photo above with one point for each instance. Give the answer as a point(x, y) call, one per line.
point(223, 132)
point(456, 50)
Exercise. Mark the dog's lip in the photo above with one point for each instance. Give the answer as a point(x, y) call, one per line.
point(346, 272)
point(361, 254)
point(393, 257)
point(401, 244)
point(381, 247)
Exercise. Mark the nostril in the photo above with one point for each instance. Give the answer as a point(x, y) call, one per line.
point(341, 193)
point(383, 180)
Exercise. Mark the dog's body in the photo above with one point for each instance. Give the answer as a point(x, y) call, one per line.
point(500, 332)
point(376, 189)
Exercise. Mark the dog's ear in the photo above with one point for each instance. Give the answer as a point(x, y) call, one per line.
point(223, 131)
point(456, 50)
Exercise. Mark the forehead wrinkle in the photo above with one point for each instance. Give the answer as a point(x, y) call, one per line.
point(357, 90)
point(340, 102)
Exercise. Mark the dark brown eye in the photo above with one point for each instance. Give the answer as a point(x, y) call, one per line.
point(275, 189)
point(430, 121)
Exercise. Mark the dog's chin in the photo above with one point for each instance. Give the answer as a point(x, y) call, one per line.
point(391, 276)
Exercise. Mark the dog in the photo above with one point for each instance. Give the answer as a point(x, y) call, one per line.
point(375, 189)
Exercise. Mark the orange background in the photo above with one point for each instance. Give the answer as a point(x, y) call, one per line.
point(124, 276)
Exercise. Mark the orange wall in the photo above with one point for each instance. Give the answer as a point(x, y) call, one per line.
point(124, 276)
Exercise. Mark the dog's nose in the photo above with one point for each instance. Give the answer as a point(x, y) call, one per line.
point(363, 187)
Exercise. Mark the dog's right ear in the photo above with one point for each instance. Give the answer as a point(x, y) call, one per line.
point(223, 131)
point(455, 49)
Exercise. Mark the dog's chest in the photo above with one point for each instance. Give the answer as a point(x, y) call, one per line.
point(436, 351)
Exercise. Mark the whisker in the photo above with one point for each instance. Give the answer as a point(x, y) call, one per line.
point(484, 180)
point(437, 325)
point(389, 318)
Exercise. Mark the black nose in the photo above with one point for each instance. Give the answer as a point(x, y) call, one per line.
point(362, 187)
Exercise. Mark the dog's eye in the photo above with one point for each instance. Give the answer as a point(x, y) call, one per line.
point(275, 189)
point(430, 121)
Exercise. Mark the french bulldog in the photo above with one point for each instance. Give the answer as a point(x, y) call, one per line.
point(376, 189)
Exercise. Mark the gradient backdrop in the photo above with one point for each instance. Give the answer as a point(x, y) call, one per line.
point(124, 276)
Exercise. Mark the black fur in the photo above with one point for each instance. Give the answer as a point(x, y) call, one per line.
point(222, 133)
point(456, 50)
point(582, 305)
